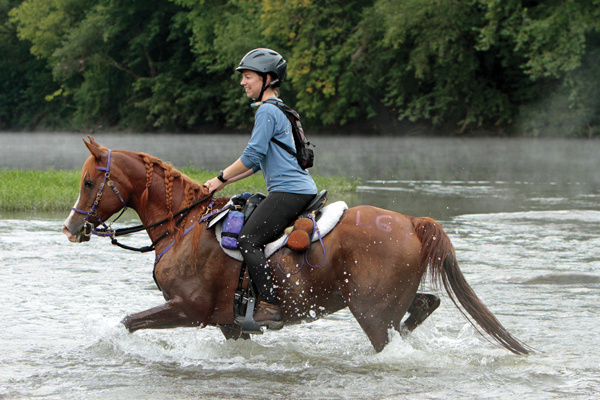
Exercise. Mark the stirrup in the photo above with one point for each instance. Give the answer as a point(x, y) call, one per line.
point(248, 324)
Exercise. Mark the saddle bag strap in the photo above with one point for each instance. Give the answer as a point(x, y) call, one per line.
point(238, 299)
point(241, 279)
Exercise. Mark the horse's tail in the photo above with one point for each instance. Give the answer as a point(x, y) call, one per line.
point(438, 252)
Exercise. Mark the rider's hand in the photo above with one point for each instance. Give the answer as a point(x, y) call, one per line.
point(214, 184)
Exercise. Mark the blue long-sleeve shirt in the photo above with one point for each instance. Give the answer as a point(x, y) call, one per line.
point(281, 170)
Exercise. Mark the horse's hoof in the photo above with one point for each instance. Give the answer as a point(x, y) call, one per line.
point(126, 322)
point(422, 306)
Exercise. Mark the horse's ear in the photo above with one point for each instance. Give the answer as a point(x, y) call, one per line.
point(94, 148)
point(92, 141)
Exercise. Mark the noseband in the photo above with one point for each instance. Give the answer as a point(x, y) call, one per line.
point(88, 228)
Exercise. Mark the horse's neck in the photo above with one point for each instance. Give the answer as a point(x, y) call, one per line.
point(160, 200)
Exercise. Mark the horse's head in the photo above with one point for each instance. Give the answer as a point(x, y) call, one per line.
point(99, 197)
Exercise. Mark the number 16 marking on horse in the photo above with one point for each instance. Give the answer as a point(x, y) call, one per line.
point(198, 279)
point(382, 222)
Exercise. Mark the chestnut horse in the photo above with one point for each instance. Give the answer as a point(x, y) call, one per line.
point(373, 260)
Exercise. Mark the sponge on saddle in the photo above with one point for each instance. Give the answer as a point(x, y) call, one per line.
point(300, 238)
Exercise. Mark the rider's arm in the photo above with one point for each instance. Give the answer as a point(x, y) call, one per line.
point(235, 172)
point(237, 177)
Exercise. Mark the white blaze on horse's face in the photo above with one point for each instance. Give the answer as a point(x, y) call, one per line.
point(72, 227)
point(68, 228)
point(68, 222)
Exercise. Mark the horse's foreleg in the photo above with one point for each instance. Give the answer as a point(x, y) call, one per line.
point(168, 315)
point(233, 332)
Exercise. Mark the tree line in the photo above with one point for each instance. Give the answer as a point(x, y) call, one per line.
point(510, 67)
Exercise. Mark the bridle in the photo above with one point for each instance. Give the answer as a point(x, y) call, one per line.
point(88, 227)
point(107, 231)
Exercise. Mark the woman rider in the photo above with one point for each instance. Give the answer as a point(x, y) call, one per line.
point(290, 187)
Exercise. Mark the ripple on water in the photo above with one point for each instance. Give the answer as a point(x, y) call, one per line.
point(61, 337)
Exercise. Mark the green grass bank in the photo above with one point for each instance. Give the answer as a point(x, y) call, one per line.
point(51, 190)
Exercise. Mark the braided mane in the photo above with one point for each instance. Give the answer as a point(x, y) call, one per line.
point(192, 190)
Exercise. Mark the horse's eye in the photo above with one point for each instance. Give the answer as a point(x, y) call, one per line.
point(89, 184)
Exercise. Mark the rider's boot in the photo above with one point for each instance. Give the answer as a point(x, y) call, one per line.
point(266, 312)
point(268, 315)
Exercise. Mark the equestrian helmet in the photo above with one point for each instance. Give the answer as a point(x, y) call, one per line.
point(264, 61)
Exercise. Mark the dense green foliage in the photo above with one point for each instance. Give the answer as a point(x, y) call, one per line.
point(503, 66)
point(52, 190)
point(24, 81)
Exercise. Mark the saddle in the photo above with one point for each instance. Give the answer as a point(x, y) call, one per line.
point(241, 207)
point(315, 206)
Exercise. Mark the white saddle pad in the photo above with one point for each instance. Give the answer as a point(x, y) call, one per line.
point(329, 219)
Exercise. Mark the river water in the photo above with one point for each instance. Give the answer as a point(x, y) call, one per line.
point(522, 214)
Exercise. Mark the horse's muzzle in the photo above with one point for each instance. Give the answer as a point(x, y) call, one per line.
point(77, 238)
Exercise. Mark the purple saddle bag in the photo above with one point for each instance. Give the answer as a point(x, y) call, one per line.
point(232, 226)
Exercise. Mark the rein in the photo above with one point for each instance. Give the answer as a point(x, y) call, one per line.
point(126, 231)
point(107, 231)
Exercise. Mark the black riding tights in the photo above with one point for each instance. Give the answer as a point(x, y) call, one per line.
point(266, 223)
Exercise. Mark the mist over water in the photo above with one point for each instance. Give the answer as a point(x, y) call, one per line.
point(523, 216)
point(367, 158)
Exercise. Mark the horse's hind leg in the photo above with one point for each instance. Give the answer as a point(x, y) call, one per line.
point(376, 321)
point(376, 330)
point(421, 308)
point(376, 318)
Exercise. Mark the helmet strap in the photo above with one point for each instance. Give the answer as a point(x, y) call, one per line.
point(266, 86)
point(258, 101)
